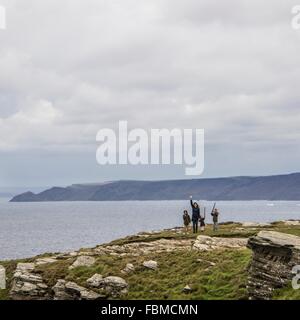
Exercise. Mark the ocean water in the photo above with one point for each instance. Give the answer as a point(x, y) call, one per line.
point(28, 229)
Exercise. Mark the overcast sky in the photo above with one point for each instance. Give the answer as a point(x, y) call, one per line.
point(71, 67)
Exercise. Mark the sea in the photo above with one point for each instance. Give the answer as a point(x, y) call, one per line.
point(29, 229)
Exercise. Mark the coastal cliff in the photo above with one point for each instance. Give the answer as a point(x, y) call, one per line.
point(280, 187)
point(240, 261)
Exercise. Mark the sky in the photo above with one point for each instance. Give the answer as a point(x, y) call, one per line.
point(69, 68)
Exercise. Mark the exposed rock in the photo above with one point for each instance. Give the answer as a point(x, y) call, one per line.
point(206, 243)
point(27, 285)
point(25, 267)
point(81, 292)
point(75, 254)
point(129, 268)
point(145, 248)
point(274, 256)
point(41, 261)
point(95, 281)
point(90, 295)
point(292, 222)
point(211, 264)
point(114, 287)
point(256, 224)
point(150, 264)
point(2, 278)
point(71, 291)
point(83, 261)
point(187, 289)
point(60, 292)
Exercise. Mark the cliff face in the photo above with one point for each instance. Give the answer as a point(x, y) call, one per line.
point(283, 187)
point(274, 257)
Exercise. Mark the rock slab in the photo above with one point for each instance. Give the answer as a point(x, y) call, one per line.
point(64, 290)
point(2, 278)
point(114, 287)
point(83, 261)
point(28, 285)
point(274, 256)
point(153, 265)
point(129, 268)
point(206, 243)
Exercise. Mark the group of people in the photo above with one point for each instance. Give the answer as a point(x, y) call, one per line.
point(198, 218)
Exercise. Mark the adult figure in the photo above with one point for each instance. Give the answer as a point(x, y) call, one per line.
point(215, 214)
point(195, 214)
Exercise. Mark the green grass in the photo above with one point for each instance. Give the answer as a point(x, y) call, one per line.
point(225, 280)
point(287, 294)
point(10, 267)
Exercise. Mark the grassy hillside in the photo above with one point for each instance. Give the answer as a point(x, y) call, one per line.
point(217, 274)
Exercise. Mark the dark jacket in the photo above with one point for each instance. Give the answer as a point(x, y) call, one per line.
point(196, 212)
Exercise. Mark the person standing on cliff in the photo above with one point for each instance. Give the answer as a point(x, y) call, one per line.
point(186, 220)
point(202, 221)
point(215, 214)
point(195, 215)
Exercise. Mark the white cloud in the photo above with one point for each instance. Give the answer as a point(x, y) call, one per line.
point(69, 68)
point(30, 125)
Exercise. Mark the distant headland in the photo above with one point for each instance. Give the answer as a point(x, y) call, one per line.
point(276, 187)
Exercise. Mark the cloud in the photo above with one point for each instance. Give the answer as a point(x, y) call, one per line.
point(70, 68)
point(29, 126)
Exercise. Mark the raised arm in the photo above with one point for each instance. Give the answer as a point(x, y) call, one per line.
point(192, 204)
